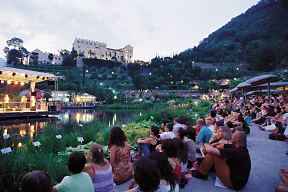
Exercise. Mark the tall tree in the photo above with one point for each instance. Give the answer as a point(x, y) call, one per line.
point(15, 51)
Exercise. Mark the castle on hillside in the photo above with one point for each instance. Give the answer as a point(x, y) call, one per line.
point(99, 50)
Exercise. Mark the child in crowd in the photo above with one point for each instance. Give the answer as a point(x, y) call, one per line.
point(79, 181)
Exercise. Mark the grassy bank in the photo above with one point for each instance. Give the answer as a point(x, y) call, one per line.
point(144, 105)
point(27, 158)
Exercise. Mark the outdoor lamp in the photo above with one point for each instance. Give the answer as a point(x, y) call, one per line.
point(6, 98)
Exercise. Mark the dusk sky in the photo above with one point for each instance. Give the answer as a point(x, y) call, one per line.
point(152, 27)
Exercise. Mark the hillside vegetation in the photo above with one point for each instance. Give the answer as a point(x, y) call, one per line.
point(258, 37)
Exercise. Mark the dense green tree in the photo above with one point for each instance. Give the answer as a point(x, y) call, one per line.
point(15, 51)
point(69, 58)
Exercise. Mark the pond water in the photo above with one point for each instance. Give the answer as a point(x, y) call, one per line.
point(15, 132)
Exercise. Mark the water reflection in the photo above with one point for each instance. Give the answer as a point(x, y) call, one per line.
point(16, 132)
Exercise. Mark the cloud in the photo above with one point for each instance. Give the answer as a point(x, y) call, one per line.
point(151, 26)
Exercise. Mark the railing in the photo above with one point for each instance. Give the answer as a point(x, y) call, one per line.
point(25, 107)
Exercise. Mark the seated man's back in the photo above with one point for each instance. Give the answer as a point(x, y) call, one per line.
point(238, 160)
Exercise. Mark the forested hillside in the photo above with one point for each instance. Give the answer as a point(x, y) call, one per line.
point(258, 37)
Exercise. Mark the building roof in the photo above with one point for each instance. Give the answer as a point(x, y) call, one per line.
point(262, 79)
point(273, 85)
point(252, 83)
point(263, 91)
point(22, 75)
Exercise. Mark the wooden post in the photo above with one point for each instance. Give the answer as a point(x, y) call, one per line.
point(32, 97)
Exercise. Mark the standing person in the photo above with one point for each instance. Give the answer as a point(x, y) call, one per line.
point(79, 181)
point(99, 170)
point(119, 155)
point(36, 181)
point(204, 134)
point(145, 146)
point(232, 165)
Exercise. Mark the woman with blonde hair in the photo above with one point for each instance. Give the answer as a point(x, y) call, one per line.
point(224, 135)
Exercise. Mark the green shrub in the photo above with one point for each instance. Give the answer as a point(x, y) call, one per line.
point(134, 131)
point(157, 115)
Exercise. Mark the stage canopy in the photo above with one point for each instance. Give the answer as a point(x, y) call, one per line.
point(10, 74)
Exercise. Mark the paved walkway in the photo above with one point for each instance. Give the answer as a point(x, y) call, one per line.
point(267, 158)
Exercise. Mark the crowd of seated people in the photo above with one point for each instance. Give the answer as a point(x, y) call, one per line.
point(168, 155)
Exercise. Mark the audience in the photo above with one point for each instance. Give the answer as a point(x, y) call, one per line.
point(170, 149)
point(162, 170)
point(224, 136)
point(204, 134)
point(189, 144)
point(145, 146)
point(232, 164)
point(99, 170)
point(163, 125)
point(168, 132)
point(147, 175)
point(79, 181)
point(168, 182)
point(36, 181)
point(119, 155)
point(283, 186)
point(178, 123)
